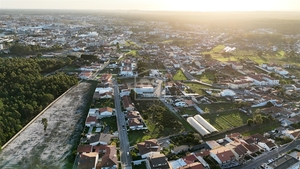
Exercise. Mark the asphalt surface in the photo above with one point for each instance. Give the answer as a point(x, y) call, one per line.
point(123, 137)
point(256, 163)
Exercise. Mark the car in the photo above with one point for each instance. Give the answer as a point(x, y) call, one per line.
point(127, 153)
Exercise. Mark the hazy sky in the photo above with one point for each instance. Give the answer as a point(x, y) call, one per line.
point(182, 5)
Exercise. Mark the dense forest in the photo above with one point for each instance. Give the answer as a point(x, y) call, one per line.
point(25, 91)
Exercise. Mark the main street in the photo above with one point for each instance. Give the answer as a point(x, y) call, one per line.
point(124, 143)
point(269, 155)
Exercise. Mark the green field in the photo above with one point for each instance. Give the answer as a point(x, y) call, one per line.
point(179, 76)
point(216, 107)
point(196, 87)
point(261, 129)
point(170, 122)
point(226, 120)
point(278, 57)
point(188, 110)
point(207, 77)
point(103, 103)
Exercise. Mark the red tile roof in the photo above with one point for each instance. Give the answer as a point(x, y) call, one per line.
point(148, 146)
point(190, 159)
point(127, 102)
point(110, 157)
point(84, 148)
point(109, 109)
point(91, 119)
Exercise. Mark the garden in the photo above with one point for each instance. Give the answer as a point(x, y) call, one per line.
point(226, 120)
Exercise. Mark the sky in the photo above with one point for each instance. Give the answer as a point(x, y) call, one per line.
point(165, 5)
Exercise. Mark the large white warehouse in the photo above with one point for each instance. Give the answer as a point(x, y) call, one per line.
point(197, 126)
point(205, 124)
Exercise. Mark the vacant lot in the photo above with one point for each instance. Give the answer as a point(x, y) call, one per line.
point(198, 88)
point(188, 110)
point(159, 120)
point(33, 149)
point(226, 120)
point(179, 76)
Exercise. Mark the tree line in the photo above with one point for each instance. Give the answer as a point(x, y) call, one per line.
point(21, 49)
point(25, 91)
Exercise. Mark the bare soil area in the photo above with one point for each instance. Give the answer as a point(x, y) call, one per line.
point(35, 149)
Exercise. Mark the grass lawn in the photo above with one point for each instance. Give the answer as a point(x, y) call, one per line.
point(154, 131)
point(133, 53)
point(179, 76)
point(207, 77)
point(226, 120)
point(104, 103)
point(196, 87)
point(218, 48)
point(188, 110)
point(110, 70)
point(216, 107)
point(111, 122)
point(261, 129)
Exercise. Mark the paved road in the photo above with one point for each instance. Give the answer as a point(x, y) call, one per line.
point(269, 155)
point(124, 143)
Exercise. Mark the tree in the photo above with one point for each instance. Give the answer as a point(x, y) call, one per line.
point(39, 54)
point(249, 122)
point(45, 123)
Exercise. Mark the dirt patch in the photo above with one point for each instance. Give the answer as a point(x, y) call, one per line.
point(35, 149)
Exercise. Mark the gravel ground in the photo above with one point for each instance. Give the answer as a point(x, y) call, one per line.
point(35, 149)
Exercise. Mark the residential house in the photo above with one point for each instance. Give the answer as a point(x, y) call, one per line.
point(106, 95)
point(213, 144)
point(133, 114)
point(180, 104)
point(105, 78)
point(232, 137)
point(102, 90)
point(148, 147)
point(109, 160)
point(284, 162)
point(238, 150)
point(189, 103)
point(102, 138)
point(106, 111)
point(135, 123)
point(157, 161)
point(127, 103)
point(240, 84)
point(293, 134)
point(93, 112)
point(224, 157)
point(85, 75)
point(263, 142)
point(88, 160)
point(281, 71)
point(126, 71)
point(258, 80)
point(91, 121)
point(84, 149)
point(235, 65)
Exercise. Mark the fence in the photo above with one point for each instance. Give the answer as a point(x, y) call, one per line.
point(37, 116)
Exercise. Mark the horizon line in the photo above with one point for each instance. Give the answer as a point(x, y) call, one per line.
point(149, 10)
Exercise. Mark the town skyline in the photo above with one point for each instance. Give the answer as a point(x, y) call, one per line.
point(156, 5)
